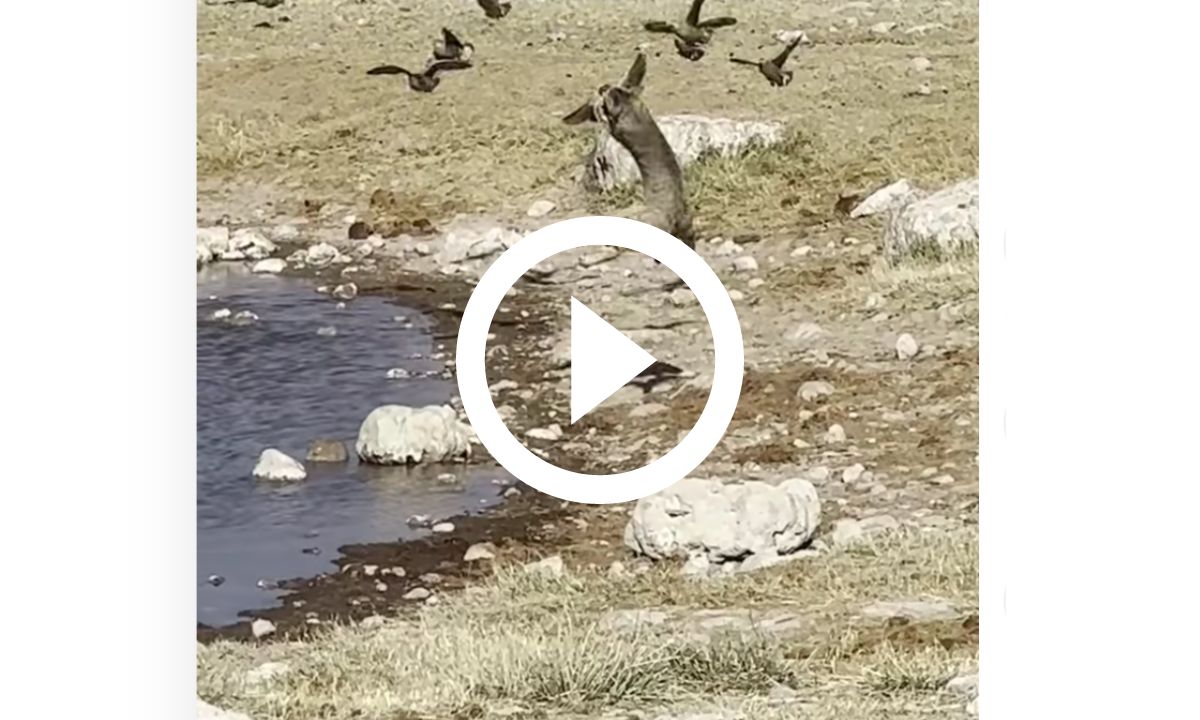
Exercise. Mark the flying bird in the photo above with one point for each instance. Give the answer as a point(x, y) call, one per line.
point(494, 9)
point(451, 48)
point(426, 80)
point(772, 69)
point(694, 34)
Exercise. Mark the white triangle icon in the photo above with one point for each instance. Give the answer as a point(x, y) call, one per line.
point(603, 360)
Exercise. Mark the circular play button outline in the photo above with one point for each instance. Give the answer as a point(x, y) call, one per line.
point(477, 397)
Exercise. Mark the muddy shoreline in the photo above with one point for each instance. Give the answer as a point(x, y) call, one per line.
point(524, 526)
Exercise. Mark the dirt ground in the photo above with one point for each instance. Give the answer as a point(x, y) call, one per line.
point(292, 130)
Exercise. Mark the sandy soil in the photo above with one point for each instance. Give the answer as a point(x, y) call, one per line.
point(291, 130)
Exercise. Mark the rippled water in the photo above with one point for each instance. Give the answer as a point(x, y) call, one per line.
point(278, 383)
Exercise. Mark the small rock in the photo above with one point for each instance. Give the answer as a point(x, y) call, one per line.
point(549, 567)
point(907, 347)
point(942, 480)
point(359, 230)
point(541, 208)
point(372, 622)
point(755, 283)
point(617, 569)
point(883, 28)
point(737, 295)
point(419, 521)
point(786, 37)
point(417, 593)
point(275, 465)
point(551, 433)
point(266, 672)
point(886, 199)
point(349, 291)
point(853, 473)
point(511, 492)
point(967, 685)
point(327, 450)
point(846, 532)
point(802, 251)
point(746, 263)
point(262, 628)
point(647, 409)
point(818, 474)
point(814, 389)
point(269, 266)
point(924, 89)
point(681, 297)
point(922, 64)
point(396, 571)
point(431, 578)
point(370, 570)
point(443, 527)
point(480, 551)
point(381, 586)
point(320, 255)
point(835, 435)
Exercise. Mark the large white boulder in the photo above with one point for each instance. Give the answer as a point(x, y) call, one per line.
point(610, 165)
point(216, 243)
point(942, 225)
point(725, 521)
point(400, 435)
point(275, 465)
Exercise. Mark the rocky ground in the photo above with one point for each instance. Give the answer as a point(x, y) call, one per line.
point(861, 355)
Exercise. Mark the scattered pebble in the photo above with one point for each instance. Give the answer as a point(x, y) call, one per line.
point(853, 473)
point(835, 435)
point(443, 527)
point(551, 433)
point(480, 551)
point(737, 295)
point(922, 64)
point(417, 593)
point(746, 263)
point(262, 628)
point(924, 89)
point(348, 291)
point(814, 389)
point(381, 586)
point(269, 266)
point(370, 570)
point(907, 347)
point(802, 251)
point(541, 208)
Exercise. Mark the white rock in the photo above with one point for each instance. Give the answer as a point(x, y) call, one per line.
point(786, 37)
point(745, 263)
point(724, 521)
point(853, 473)
point(836, 434)
point(204, 711)
point(554, 432)
point(846, 532)
point(320, 255)
point(806, 333)
point(418, 593)
point(647, 409)
point(894, 196)
point(372, 622)
point(399, 435)
point(755, 283)
point(472, 238)
point(274, 465)
point(261, 628)
point(883, 28)
point(689, 136)
point(696, 566)
point(802, 251)
point(549, 567)
point(814, 389)
point(924, 89)
point(540, 208)
point(266, 672)
point(922, 64)
point(251, 244)
point(285, 232)
point(942, 225)
point(480, 551)
point(443, 527)
point(270, 266)
point(967, 685)
point(907, 347)
point(681, 297)
point(916, 610)
point(737, 295)
point(348, 291)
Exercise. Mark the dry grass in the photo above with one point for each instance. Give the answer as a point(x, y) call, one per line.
point(536, 643)
point(292, 106)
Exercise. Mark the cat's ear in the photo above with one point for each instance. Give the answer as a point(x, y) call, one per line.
point(584, 113)
point(636, 75)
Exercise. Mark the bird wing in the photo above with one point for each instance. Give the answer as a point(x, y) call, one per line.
point(693, 16)
point(743, 62)
point(782, 57)
point(450, 39)
point(717, 22)
point(438, 66)
point(388, 70)
point(659, 26)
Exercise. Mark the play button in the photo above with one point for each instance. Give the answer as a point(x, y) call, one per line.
point(603, 360)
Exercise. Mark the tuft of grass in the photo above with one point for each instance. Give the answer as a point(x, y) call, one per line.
point(893, 672)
